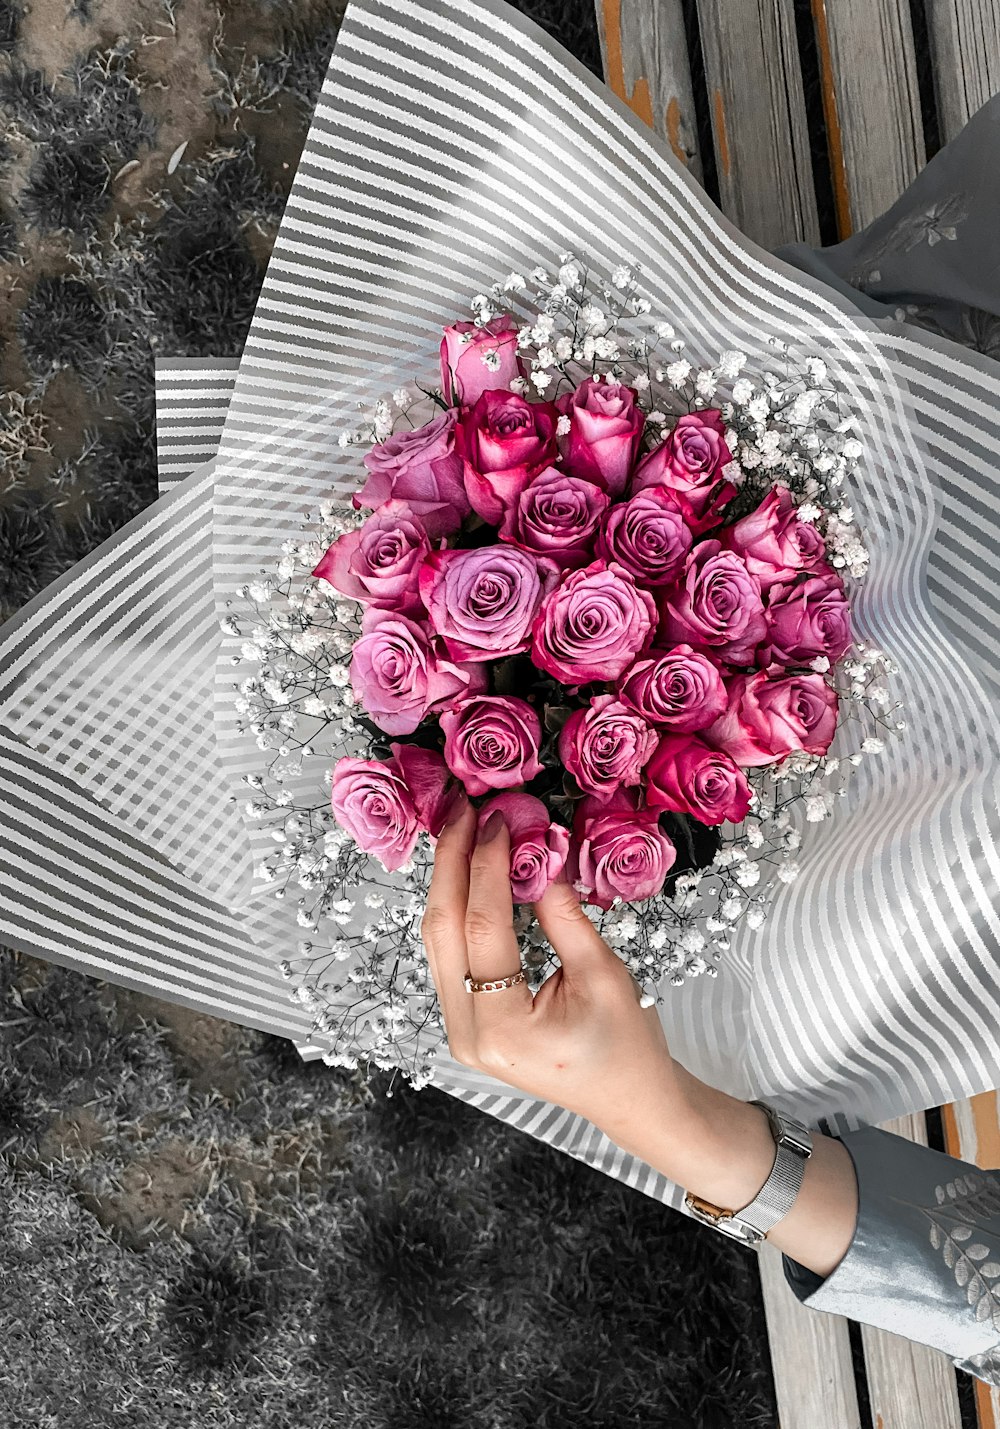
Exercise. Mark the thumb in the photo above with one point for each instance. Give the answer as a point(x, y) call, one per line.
point(569, 930)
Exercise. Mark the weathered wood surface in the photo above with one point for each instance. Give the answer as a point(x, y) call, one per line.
point(965, 53)
point(758, 113)
point(871, 102)
point(645, 54)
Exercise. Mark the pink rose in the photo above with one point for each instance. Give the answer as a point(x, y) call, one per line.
point(492, 742)
point(397, 676)
point(557, 515)
point(770, 717)
point(807, 617)
point(647, 536)
point(772, 540)
point(618, 851)
point(436, 794)
point(482, 602)
point(505, 441)
point(679, 689)
point(538, 847)
point(688, 463)
point(464, 374)
point(371, 801)
point(593, 625)
point(718, 606)
point(605, 429)
point(423, 470)
point(380, 562)
point(686, 776)
point(605, 746)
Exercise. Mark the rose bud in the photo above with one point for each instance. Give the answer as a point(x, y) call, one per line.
point(492, 742)
point(773, 542)
point(677, 689)
point(505, 441)
point(422, 470)
point(380, 562)
point(605, 746)
point(605, 430)
point(718, 606)
point(482, 602)
point(397, 676)
point(370, 800)
point(465, 376)
point(593, 625)
point(646, 536)
point(807, 617)
point(437, 795)
point(770, 717)
point(558, 516)
point(689, 464)
point(618, 851)
point(538, 847)
point(686, 776)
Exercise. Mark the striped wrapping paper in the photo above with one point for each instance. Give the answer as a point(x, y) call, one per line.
point(454, 143)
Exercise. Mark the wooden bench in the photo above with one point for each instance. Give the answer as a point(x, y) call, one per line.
point(742, 74)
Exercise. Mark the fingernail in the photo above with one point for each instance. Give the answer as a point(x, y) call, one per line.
point(491, 828)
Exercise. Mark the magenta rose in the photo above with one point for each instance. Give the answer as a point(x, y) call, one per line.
point(605, 746)
point(558, 516)
point(605, 430)
point(807, 617)
point(492, 742)
point(505, 441)
point(593, 625)
point(770, 717)
point(398, 677)
point(677, 689)
point(687, 776)
point(422, 469)
point(371, 801)
point(465, 376)
point(380, 561)
point(436, 794)
point(482, 602)
point(772, 540)
point(717, 607)
point(538, 847)
point(618, 851)
point(647, 536)
point(689, 463)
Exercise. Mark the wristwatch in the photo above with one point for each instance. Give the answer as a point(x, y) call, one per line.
point(793, 1147)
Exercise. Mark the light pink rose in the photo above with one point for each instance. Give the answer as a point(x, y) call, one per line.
point(807, 617)
point(605, 430)
point(605, 745)
point(371, 801)
point(437, 795)
point(505, 441)
point(718, 606)
point(558, 516)
point(772, 540)
point(398, 677)
point(647, 536)
point(618, 851)
point(677, 689)
point(686, 776)
point(593, 625)
point(464, 374)
point(770, 717)
point(483, 601)
point(538, 847)
point(492, 742)
point(422, 469)
point(380, 562)
point(688, 463)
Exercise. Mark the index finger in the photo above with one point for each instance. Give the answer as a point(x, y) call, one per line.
point(443, 926)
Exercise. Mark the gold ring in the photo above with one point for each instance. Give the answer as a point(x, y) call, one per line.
point(495, 985)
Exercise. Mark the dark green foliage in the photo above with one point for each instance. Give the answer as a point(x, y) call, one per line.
point(64, 324)
point(10, 22)
point(217, 1311)
point(67, 186)
point(31, 552)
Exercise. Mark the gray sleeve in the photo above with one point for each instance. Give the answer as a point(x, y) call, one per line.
point(925, 1258)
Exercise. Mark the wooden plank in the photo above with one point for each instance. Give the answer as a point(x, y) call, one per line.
point(965, 48)
point(759, 119)
point(909, 1386)
point(645, 54)
point(872, 103)
point(810, 1356)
